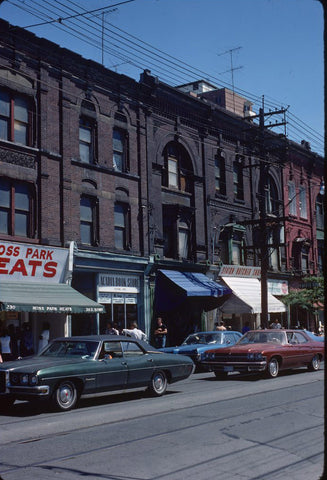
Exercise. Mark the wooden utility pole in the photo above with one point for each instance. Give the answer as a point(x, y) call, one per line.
point(263, 190)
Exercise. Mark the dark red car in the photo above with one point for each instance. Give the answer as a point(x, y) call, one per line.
point(266, 351)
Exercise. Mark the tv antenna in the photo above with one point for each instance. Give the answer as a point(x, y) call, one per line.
point(232, 68)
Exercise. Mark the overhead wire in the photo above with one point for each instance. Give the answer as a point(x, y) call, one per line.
point(159, 63)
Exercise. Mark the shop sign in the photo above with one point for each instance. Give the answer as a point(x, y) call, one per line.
point(118, 283)
point(277, 287)
point(19, 261)
point(239, 271)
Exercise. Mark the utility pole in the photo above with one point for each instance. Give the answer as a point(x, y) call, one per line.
point(263, 189)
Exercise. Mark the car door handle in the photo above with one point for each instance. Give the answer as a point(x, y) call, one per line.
point(150, 359)
point(124, 363)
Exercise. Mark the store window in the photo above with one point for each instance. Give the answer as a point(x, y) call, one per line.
point(15, 118)
point(122, 230)
point(88, 220)
point(16, 208)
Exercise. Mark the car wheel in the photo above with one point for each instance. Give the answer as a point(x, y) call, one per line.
point(221, 375)
point(65, 396)
point(314, 364)
point(273, 368)
point(158, 384)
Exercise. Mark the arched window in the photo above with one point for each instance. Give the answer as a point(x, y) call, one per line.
point(178, 169)
point(271, 195)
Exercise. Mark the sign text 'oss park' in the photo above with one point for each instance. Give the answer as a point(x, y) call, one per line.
point(36, 263)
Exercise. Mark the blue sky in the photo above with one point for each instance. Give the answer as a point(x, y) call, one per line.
point(277, 46)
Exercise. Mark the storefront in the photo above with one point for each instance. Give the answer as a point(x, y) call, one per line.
point(244, 305)
point(34, 290)
point(183, 299)
point(119, 283)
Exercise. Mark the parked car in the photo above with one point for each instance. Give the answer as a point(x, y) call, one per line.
point(71, 367)
point(196, 344)
point(266, 351)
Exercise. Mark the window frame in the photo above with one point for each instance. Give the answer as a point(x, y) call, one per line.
point(123, 152)
point(93, 223)
point(220, 174)
point(12, 211)
point(90, 125)
point(238, 179)
point(12, 121)
point(123, 229)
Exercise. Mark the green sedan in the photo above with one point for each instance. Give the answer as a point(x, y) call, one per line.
point(72, 367)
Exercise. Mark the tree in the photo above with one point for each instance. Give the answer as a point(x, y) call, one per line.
point(309, 297)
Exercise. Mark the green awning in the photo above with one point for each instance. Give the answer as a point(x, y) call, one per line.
point(45, 298)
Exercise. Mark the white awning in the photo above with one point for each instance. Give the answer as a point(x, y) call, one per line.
point(246, 297)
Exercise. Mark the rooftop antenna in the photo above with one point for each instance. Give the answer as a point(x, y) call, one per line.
point(232, 68)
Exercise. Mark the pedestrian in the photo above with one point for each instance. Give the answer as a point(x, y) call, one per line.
point(246, 328)
point(5, 345)
point(275, 324)
point(27, 347)
point(134, 332)
point(221, 326)
point(44, 337)
point(160, 334)
point(110, 330)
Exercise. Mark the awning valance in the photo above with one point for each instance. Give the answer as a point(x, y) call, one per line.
point(174, 287)
point(45, 298)
point(246, 297)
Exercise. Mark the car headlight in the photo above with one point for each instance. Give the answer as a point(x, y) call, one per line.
point(33, 380)
point(250, 356)
point(24, 379)
point(258, 356)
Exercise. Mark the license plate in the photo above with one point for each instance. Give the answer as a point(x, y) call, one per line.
point(228, 369)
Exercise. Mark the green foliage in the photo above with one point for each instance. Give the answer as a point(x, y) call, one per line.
point(309, 296)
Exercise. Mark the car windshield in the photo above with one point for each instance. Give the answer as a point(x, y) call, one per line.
point(205, 338)
point(69, 348)
point(263, 337)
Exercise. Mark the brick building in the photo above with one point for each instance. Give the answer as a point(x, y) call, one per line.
point(151, 191)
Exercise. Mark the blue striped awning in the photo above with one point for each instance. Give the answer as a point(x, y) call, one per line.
point(174, 287)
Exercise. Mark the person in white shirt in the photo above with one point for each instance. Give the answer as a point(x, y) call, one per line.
point(134, 332)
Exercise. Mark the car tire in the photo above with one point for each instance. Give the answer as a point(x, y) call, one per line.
point(158, 385)
point(314, 364)
point(273, 368)
point(65, 396)
point(221, 375)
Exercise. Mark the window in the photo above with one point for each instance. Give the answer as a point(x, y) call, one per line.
point(273, 248)
point(88, 219)
point(122, 240)
point(120, 157)
point(177, 228)
point(183, 240)
point(16, 207)
point(86, 140)
point(238, 180)
point(15, 118)
point(271, 196)
point(231, 243)
point(303, 202)
point(320, 212)
point(178, 170)
point(220, 174)
point(292, 198)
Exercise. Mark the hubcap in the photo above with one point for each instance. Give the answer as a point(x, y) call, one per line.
point(65, 395)
point(158, 383)
point(273, 368)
